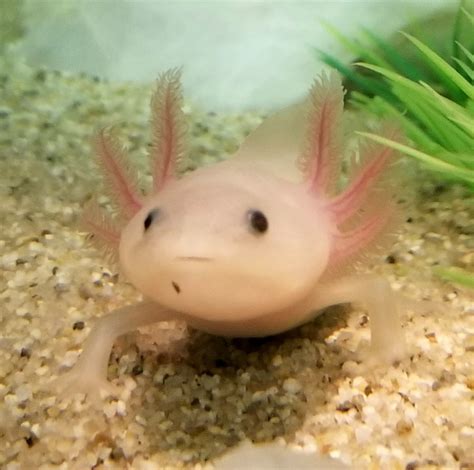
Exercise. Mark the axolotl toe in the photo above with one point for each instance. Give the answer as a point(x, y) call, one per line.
point(251, 246)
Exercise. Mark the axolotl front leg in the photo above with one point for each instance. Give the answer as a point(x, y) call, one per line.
point(89, 374)
point(376, 294)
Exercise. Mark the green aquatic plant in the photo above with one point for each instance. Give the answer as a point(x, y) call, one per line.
point(434, 103)
point(433, 100)
point(456, 276)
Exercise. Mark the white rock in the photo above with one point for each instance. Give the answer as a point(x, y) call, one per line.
point(291, 386)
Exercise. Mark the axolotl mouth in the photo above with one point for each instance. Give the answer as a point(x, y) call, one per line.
point(175, 285)
point(194, 258)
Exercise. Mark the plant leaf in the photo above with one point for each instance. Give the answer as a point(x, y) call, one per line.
point(463, 37)
point(467, 53)
point(455, 113)
point(450, 76)
point(468, 72)
point(354, 46)
point(368, 84)
point(456, 275)
point(435, 163)
point(396, 60)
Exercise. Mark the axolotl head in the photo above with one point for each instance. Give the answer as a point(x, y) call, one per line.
point(226, 242)
point(239, 240)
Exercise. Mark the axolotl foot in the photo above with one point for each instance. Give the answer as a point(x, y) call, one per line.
point(80, 379)
point(387, 344)
point(89, 374)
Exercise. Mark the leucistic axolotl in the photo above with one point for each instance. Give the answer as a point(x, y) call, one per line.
point(251, 246)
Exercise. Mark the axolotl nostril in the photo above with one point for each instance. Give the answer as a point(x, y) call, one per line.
point(251, 246)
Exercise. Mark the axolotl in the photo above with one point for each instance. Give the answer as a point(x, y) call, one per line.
point(250, 246)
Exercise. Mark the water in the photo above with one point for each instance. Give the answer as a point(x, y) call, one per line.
point(185, 397)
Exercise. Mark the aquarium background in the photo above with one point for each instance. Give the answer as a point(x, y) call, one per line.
point(235, 54)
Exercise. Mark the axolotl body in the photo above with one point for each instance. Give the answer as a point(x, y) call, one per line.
point(250, 246)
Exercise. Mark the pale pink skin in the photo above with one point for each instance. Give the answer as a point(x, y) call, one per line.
point(201, 261)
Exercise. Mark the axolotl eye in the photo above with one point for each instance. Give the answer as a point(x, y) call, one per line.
point(258, 221)
point(152, 217)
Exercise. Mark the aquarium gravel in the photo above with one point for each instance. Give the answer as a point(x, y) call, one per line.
point(190, 397)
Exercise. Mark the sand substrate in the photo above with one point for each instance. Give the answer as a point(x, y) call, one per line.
point(186, 400)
